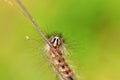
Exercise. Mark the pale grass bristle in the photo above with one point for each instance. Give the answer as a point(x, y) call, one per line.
point(9, 2)
point(27, 37)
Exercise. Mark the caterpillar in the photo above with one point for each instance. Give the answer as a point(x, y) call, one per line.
point(57, 59)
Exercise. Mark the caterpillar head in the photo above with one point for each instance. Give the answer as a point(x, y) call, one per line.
point(56, 41)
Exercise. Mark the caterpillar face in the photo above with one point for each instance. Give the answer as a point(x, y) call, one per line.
point(56, 41)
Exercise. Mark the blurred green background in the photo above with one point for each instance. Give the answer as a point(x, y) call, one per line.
point(91, 28)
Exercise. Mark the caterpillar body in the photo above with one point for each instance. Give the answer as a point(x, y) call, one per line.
point(57, 60)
